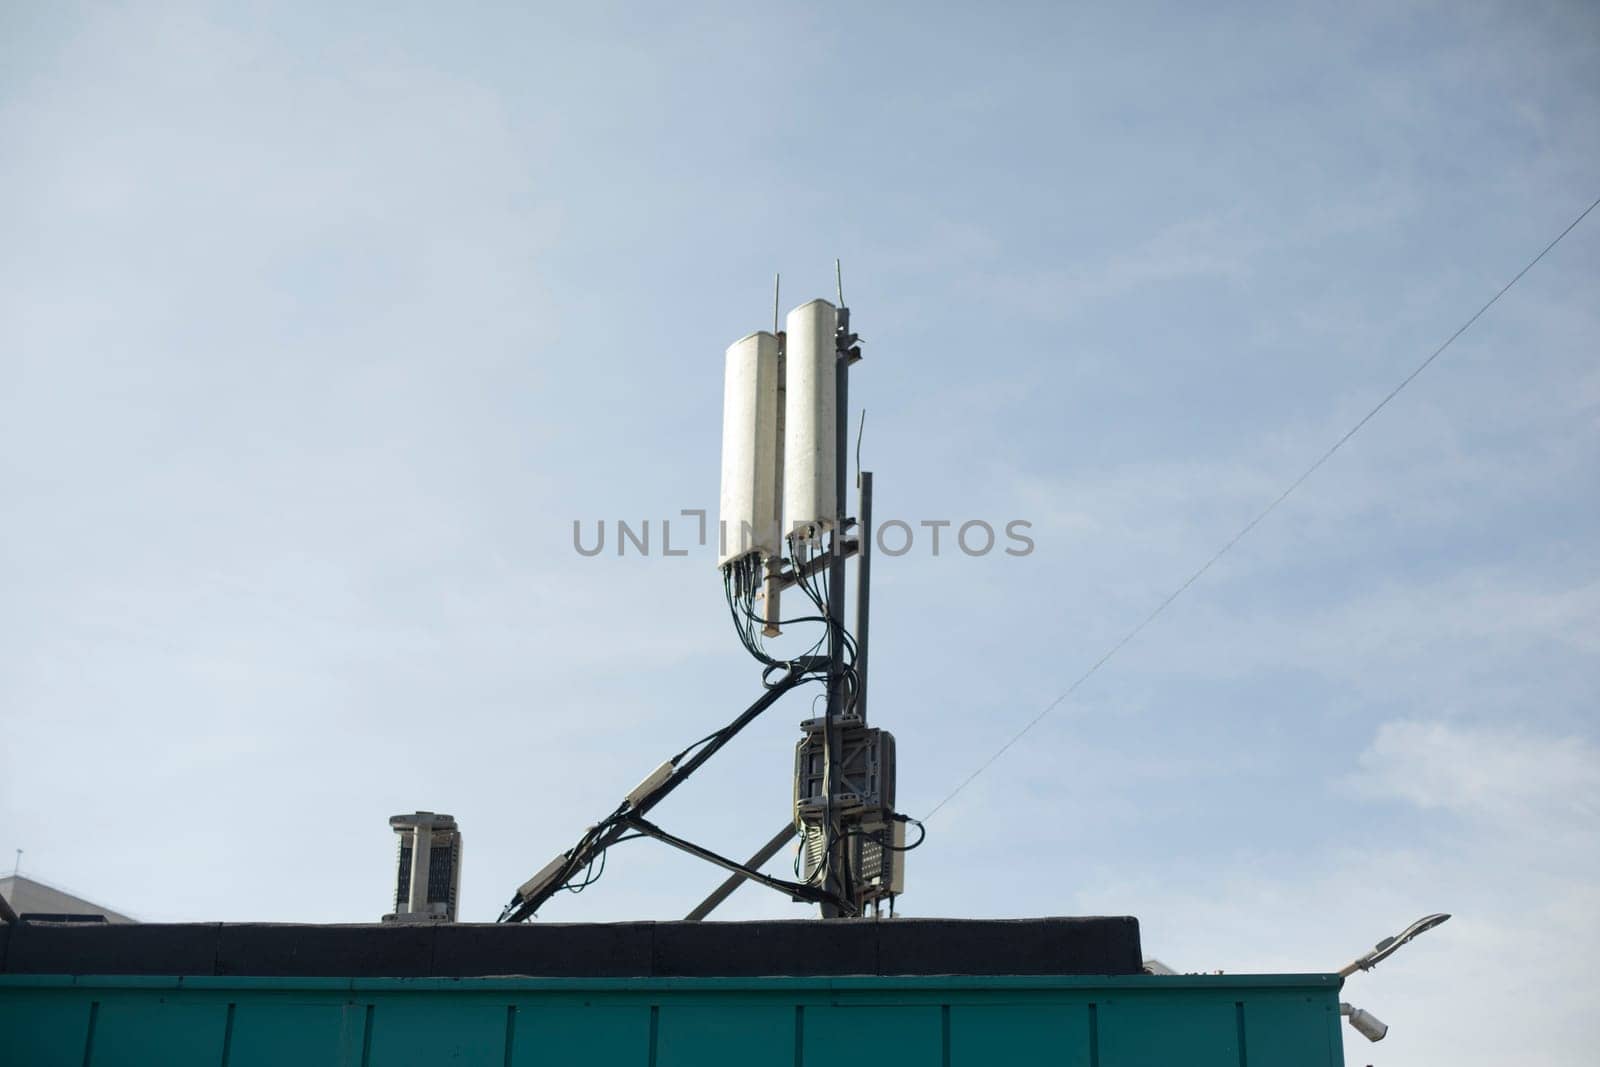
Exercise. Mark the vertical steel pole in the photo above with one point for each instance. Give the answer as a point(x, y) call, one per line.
point(835, 842)
point(863, 591)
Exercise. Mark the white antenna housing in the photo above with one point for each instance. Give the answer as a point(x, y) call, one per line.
point(750, 449)
point(810, 410)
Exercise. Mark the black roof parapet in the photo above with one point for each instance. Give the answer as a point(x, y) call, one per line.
point(800, 948)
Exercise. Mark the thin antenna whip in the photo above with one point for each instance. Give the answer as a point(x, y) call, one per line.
point(861, 428)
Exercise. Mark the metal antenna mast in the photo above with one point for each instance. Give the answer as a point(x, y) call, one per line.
point(780, 420)
point(835, 839)
point(851, 838)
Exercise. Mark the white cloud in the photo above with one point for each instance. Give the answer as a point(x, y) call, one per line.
point(1507, 843)
point(1496, 774)
point(1195, 250)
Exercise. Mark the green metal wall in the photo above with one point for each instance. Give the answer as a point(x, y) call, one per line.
point(1195, 1021)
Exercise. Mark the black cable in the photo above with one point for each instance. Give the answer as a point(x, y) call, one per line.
point(590, 875)
point(819, 589)
point(747, 622)
point(878, 837)
point(591, 845)
point(713, 735)
point(798, 889)
point(741, 579)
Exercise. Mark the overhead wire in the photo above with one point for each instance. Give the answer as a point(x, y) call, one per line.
point(1245, 530)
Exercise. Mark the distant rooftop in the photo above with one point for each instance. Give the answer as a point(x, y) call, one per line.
point(28, 897)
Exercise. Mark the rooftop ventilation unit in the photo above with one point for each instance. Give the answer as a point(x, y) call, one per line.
point(428, 869)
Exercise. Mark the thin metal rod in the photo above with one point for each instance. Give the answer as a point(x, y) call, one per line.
point(773, 616)
point(863, 590)
point(861, 428)
point(777, 285)
point(738, 878)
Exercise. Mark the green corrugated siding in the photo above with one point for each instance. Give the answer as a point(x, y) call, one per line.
point(949, 1021)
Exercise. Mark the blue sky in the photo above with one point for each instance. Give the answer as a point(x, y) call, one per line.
point(323, 326)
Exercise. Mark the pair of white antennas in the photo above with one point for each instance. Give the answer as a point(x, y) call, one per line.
point(780, 433)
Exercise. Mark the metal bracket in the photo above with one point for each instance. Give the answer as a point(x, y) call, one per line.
point(796, 889)
point(737, 879)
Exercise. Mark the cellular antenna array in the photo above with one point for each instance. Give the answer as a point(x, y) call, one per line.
point(783, 526)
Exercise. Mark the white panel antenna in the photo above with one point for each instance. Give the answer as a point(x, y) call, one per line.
point(810, 504)
point(750, 450)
